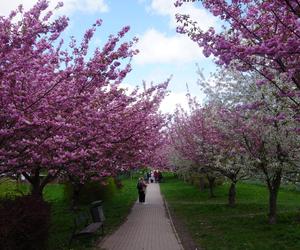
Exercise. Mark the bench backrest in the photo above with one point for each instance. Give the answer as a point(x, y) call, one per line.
point(81, 220)
point(97, 214)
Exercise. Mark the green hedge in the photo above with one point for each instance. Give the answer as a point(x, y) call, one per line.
point(93, 190)
point(200, 180)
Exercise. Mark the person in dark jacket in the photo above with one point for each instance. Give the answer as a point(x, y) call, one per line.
point(141, 186)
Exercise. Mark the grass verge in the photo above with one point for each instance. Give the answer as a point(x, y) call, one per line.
point(213, 225)
point(115, 210)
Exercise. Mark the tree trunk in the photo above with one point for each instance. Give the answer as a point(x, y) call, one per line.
point(37, 185)
point(37, 190)
point(202, 184)
point(211, 183)
point(273, 186)
point(35, 181)
point(184, 177)
point(77, 187)
point(272, 206)
point(232, 194)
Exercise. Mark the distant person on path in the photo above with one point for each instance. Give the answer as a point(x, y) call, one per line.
point(156, 175)
point(141, 186)
point(148, 177)
point(152, 179)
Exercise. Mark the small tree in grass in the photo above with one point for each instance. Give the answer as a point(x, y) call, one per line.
point(262, 124)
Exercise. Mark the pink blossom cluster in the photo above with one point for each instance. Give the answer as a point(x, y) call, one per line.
point(242, 131)
point(64, 112)
point(260, 36)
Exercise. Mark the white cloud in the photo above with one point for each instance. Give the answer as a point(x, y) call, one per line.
point(167, 8)
point(128, 87)
point(170, 103)
point(90, 5)
point(162, 7)
point(156, 47)
point(70, 6)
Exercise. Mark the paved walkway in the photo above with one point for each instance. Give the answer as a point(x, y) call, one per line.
point(147, 227)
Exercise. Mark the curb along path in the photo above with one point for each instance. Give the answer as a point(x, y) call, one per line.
point(146, 228)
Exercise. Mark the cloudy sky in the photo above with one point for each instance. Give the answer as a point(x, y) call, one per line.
point(163, 52)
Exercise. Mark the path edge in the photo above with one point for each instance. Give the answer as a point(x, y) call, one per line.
point(99, 242)
point(171, 221)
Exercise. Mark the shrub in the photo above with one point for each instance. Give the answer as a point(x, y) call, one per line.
point(200, 180)
point(118, 183)
point(93, 190)
point(24, 223)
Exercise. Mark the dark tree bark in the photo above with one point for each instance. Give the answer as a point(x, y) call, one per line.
point(211, 184)
point(273, 187)
point(202, 183)
point(77, 187)
point(34, 179)
point(37, 183)
point(232, 194)
point(37, 190)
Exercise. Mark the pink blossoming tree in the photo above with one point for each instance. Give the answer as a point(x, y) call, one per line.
point(62, 112)
point(258, 36)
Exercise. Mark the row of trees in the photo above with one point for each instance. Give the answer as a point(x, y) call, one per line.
point(240, 132)
point(249, 124)
point(62, 108)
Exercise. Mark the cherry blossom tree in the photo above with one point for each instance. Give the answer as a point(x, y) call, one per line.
point(259, 39)
point(207, 141)
point(263, 126)
point(194, 140)
point(65, 112)
point(257, 36)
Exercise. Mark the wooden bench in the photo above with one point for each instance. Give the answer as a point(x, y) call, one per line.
point(84, 227)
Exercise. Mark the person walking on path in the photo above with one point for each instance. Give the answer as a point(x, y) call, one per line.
point(147, 227)
point(141, 186)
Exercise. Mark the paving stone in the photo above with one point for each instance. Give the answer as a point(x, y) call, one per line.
point(146, 228)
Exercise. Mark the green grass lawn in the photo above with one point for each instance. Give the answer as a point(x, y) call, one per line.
point(213, 225)
point(62, 219)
